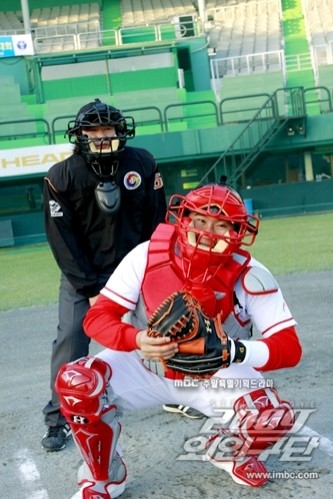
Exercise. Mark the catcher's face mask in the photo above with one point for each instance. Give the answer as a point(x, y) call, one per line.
point(212, 223)
point(208, 233)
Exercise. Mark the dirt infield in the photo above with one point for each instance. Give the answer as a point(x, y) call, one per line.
point(152, 440)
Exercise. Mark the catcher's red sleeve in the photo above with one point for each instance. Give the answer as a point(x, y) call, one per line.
point(103, 324)
point(284, 350)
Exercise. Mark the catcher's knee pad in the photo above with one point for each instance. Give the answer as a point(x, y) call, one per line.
point(263, 419)
point(90, 412)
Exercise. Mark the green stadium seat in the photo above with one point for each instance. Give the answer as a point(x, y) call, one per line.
point(153, 97)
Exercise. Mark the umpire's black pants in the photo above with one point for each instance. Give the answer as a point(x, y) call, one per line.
point(71, 342)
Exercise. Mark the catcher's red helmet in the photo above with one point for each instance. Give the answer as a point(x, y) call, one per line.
point(220, 202)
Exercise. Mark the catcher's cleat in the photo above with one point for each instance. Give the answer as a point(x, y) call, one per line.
point(55, 438)
point(105, 490)
point(114, 487)
point(250, 472)
point(184, 410)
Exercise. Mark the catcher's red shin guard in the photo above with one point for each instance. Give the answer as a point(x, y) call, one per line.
point(91, 414)
point(263, 419)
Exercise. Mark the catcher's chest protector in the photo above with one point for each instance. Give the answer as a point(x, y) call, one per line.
point(163, 277)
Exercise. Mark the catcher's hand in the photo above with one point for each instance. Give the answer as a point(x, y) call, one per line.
point(203, 346)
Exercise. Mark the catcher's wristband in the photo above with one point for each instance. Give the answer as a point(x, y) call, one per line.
point(240, 352)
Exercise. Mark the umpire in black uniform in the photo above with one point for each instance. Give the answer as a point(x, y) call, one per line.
point(99, 204)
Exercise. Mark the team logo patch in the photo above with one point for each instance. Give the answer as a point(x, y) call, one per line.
point(55, 209)
point(132, 180)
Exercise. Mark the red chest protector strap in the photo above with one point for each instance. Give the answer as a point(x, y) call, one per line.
point(163, 277)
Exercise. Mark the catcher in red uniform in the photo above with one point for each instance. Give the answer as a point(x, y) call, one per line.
point(194, 296)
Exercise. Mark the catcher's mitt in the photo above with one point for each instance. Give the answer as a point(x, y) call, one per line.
point(203, 345)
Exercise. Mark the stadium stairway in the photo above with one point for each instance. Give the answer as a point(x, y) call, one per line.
point(299, 71)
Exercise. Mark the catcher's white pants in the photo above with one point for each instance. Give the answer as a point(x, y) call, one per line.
point(137, 387)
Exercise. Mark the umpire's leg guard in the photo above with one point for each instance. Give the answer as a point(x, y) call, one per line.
point(92, 416)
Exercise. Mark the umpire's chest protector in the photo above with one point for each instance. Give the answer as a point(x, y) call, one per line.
point(163, 277)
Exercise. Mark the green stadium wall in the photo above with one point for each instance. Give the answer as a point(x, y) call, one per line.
point(274, 185)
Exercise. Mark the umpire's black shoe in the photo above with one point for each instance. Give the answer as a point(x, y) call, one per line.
point(184, 410)
point(55, 438)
